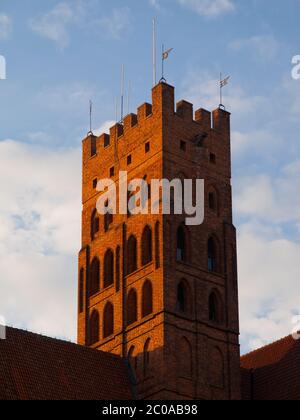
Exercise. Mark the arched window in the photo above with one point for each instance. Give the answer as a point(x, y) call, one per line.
point(212, 255)
point(212, 201)
point(95, 224)
point(181, 245)
point(95, 277)
point(118, 268)
point(132, 359)
point(108, 268)
point(215, 308)
point(157, 246)
point(81, 290)
point(147, 299)
point(147, 365)
point(108, 220)
point(94, 328)
point(185, 358)
point(216, 368)
point(108, 320)
point(234, 268)
point(131, 255)
point(183, 298)
point(131, 307)
point(147, 246)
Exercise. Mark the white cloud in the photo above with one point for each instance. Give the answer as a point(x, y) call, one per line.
point(40, 222)
point(70, 98)
point(264, 47)
point(5, 26)
point(155, 4)
point(209, 7)
point(38, 137)
point(116, 24)
point(256, 143)
point(104, 128)
point(39, 237)
point(55, 24)
point(269, 267)
point(289, 95)
point(270, 198)
point(202, 90)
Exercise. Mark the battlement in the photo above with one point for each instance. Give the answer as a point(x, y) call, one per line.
point(162, 109)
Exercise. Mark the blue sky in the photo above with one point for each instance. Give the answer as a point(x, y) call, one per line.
point(60, 54)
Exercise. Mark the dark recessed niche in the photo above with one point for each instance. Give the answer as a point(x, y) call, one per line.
point(212, 158)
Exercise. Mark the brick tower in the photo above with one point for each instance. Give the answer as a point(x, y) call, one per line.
point(151, 289)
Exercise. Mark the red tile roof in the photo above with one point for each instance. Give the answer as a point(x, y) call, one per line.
point(272, 372)
point(34, 367)
point(268, 355)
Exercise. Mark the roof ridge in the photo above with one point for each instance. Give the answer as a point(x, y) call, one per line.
point(42, 335)
point(266, 346)
point(70, 343)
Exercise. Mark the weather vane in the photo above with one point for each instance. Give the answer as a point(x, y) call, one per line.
point(223, 83)
point(165, 56)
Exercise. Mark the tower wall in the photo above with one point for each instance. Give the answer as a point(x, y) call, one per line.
point(188, 356)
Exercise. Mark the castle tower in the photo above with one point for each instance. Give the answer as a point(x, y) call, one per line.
point(151, 288)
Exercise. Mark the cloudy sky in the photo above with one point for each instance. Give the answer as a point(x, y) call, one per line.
point(61, 54)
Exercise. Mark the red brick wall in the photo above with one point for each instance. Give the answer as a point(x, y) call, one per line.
point(165, 128)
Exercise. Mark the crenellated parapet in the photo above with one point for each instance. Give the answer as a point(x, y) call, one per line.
point(163, 106)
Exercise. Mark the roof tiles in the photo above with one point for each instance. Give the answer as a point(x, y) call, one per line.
point(34, 367)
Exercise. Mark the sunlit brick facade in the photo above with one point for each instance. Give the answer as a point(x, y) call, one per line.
point(150, 288)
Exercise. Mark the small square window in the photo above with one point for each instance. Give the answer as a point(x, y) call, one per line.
point(129, 160)
point(112, 172)
point(213, 158)
point(183, 146)
point(147, 147)
point(95, 182)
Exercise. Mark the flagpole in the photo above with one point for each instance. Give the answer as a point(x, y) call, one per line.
point(91, 110)
point(221, 96)
point(122, 92)
point(162, 63)
point(117, 108)
point(154, 51)
point(128, 99)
